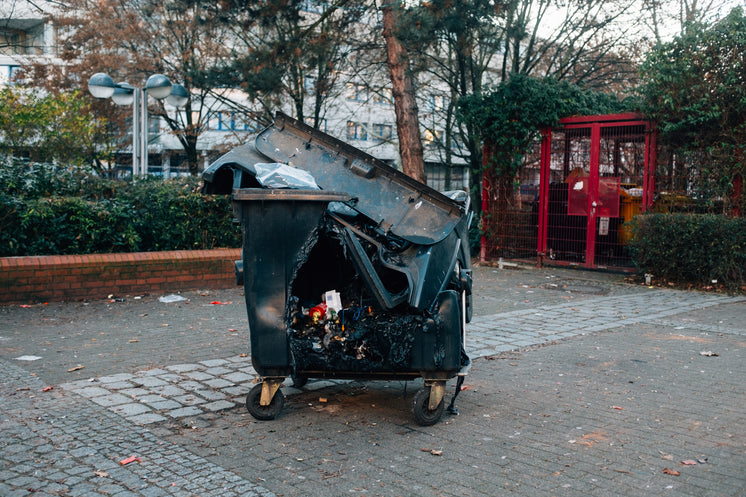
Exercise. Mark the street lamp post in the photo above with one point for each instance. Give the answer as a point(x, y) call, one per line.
point(158, 86)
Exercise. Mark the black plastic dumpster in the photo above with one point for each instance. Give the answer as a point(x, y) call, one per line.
point(366, 277)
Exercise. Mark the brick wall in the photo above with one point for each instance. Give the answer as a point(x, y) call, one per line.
point(95, 276)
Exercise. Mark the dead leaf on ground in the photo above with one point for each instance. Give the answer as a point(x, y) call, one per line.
point(590, 439)
point(689, 462)
point(672, 472)
point(435, 452)
point(130, 459)
point(102, 474)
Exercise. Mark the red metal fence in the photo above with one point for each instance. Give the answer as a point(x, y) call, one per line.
point(575, 195)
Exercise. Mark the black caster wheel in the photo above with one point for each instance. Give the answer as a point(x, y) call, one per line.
point(421, 409)
point(299, 381)
point(260, 412)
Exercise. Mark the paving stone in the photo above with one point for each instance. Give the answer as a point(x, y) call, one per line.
point(237, 390)
point(151, 399)
point(115, 378)
point(184, 411)
point(218, 405)
point(214, 362)
point(218, 383)
point(189, 399)
point(191, 385)
point(164, 404)
point(168, 390)
point(129, 410)
point(119, 385)
point(136, 392)
point(183, 368)
point(210, 394)
point(238, 377)
point(146, 418)
point(149, 381)
point(92, 392)
point(111, 400)
point(199, 375)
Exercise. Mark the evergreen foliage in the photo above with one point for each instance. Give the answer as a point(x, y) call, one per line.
point(691, 248)
point(46, 210)
point(511, 116)
point(694, 87)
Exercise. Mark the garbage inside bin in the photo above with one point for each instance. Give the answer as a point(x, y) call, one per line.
point(368, 277)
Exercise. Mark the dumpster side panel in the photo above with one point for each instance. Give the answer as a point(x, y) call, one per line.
point(277, 237)
point(435, 264)
point(438, 347)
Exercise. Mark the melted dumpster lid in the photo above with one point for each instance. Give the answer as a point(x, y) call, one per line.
point(393, 200)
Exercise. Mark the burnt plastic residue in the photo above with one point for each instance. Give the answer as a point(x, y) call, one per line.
point(358, 339)
point(360, 336)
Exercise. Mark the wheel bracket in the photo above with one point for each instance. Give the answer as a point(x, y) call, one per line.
point(437, 391)
point(269, 389)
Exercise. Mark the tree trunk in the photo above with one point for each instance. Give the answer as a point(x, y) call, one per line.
point(405, 105)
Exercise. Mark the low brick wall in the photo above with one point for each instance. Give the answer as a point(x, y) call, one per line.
point(95, 276)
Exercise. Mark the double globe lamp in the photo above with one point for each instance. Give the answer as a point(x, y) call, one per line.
point(159, 87)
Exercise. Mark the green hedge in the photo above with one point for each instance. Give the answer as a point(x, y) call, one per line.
point(691, 248)
point(72, 213)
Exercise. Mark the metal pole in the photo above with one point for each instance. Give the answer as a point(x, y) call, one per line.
point(144, 133)
point(136, 134)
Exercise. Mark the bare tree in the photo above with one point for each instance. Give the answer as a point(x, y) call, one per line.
point(184, 39)
point(668, 18)
point(291, 50)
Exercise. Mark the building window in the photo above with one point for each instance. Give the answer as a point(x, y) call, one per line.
point(309, 85)
point(431, 137)
point(382, 132)
point(356, 131)
point(233, 121)
point(435, 103)
point(358, 93)
point(9, 74)
point(322, 123)
point(13, 42)
point(383, 96)
point(314, 6)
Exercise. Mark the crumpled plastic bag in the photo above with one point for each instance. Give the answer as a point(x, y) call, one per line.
point(278, 175)
point(169, 299)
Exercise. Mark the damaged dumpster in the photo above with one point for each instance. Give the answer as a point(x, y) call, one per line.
point(351, 269)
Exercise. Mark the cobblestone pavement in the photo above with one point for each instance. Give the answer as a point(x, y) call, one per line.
point(581, 385)
point(57, 444)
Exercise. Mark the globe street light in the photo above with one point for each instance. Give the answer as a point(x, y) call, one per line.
point(158, 86)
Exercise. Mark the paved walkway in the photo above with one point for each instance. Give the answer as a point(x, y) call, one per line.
point(175, 415)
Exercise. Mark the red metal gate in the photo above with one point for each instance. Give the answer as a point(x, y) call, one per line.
point(595, 174)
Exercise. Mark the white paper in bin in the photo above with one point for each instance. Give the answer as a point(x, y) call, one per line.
point(333, 301)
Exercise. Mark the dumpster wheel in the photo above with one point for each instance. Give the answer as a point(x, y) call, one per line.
point(299, 381)
point(260, 412)
point(421, 408)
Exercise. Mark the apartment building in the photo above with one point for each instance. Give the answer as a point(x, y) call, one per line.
point(360, 114)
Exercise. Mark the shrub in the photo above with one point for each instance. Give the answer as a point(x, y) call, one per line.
point(691, 248)
point(80, 214)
